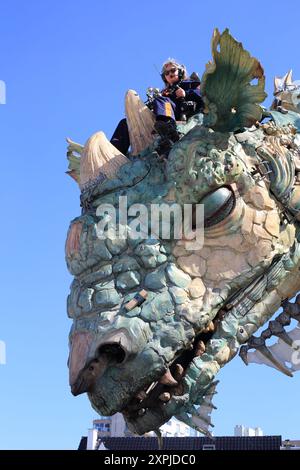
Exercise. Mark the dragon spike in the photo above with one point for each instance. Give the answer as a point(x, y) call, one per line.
point(212, 389)
point(293, 310)
point(209, 403)
point(203, 415)
point(201, 423)
point(74, 152)
point(185, 418)
point(288, 78)
point(140, 122)
point(278, 330)
point(99, 156)
point(280, 83)
point(74, 146)
point(243, 353)
point(262, 348)
point(73, 175)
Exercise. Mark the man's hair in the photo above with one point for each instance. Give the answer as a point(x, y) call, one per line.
point(179, 66)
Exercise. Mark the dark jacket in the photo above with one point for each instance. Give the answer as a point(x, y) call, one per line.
point(170, 106)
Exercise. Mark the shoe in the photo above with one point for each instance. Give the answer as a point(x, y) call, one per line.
point(164, 148)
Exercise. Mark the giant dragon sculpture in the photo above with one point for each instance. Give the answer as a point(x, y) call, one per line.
point(191, 310)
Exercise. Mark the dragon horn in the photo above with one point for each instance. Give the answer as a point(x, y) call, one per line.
point(288, 78)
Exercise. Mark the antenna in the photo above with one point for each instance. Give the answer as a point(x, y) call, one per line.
point(156, 68)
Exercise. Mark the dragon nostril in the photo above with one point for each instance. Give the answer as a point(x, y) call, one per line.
point(113, 351)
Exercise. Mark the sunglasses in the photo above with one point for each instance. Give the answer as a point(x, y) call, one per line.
point(167, 72)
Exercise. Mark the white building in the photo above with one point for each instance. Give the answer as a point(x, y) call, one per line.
point(118, 426)
point(106, 426)
point(240, 430)
point(175, 428)
point(115, 426)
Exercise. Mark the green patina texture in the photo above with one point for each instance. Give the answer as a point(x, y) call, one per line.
point(109, 272)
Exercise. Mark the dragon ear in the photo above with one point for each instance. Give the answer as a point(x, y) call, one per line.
point(74, 153)
point(231, 99)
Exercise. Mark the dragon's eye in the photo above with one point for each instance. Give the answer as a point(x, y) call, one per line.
point(217, 205)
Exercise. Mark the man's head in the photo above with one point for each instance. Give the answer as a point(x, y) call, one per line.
point(172, 71)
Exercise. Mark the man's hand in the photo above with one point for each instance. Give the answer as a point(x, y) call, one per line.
point(180, 93)
point(165, 92)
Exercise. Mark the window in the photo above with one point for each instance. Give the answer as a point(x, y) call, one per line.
point(208, 447)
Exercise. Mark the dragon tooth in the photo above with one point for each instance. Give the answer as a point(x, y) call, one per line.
point(200, 348)
point(178, 372)
point(210, 327)
point(179, 390)
point(168, 379)
point(166, 396)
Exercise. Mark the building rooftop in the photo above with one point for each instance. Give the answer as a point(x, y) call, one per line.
point(191, 443)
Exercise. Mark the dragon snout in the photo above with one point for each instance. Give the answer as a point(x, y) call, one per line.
point(86, 367)
point(88, 376)
point(79, 351)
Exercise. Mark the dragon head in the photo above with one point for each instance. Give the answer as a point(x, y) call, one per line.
point(287, 93)
point(156, 316)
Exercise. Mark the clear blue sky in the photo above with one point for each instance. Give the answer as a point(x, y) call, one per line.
point(67, 66)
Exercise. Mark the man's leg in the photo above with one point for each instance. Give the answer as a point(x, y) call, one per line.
point(120, 138)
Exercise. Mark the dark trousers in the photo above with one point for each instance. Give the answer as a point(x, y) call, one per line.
point(120, 138)
point(164, 108)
